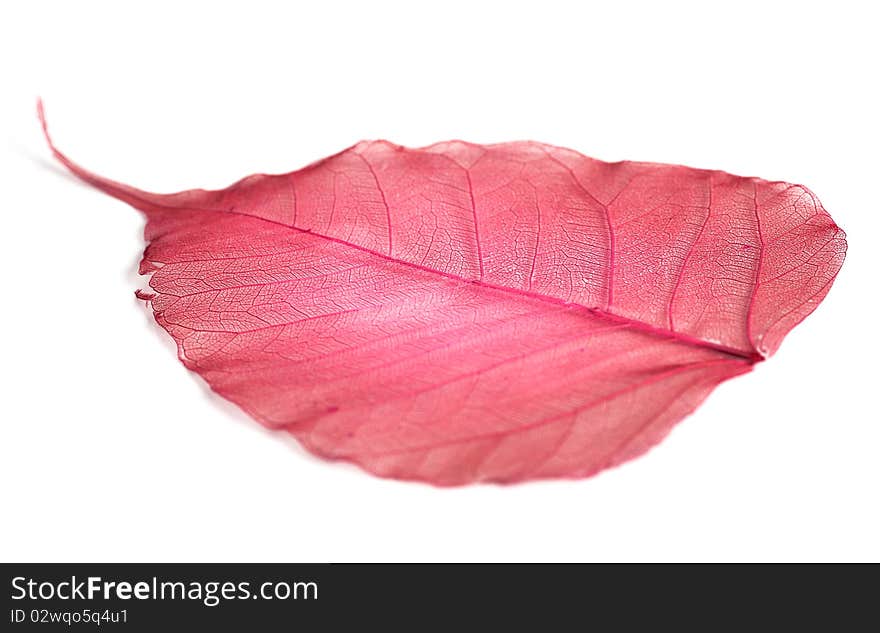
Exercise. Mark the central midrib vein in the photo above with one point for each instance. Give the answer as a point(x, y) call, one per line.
point(609, 316)
point(144, 201)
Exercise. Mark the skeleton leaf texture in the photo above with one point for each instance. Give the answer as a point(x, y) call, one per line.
point(461, 313)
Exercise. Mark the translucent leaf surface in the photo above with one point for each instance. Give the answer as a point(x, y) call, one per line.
point(462, 313)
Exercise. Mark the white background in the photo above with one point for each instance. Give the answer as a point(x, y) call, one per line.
point(111, 450)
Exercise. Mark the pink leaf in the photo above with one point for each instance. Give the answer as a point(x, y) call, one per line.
point(462, 313)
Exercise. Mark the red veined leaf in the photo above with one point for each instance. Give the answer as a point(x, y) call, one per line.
point(462, 313)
